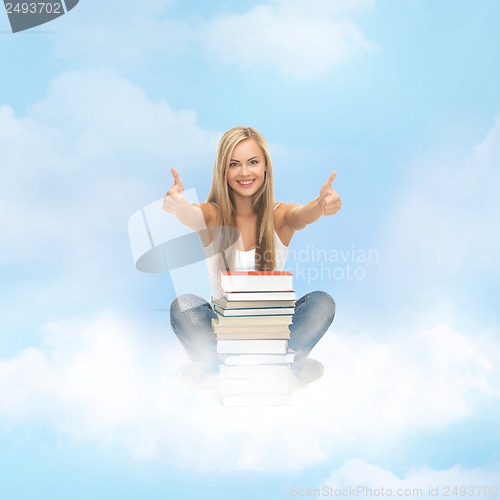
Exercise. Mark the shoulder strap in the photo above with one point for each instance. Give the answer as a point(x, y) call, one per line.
point(277, 205)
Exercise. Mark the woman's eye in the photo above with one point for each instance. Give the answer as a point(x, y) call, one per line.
point(233, 164)
point(254, 162)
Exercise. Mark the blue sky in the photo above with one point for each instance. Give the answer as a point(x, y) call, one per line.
point(401, 98)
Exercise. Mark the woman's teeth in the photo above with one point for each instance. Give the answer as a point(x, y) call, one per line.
point(246, 183)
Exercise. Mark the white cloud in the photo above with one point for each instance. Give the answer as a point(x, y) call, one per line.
point(89, 376)
point(75, 167)
point(120, 33)
point(94, 138)
point(442, 234)
point(362, 477)
point(450, 210)
point(300, 39)
point(101, 379)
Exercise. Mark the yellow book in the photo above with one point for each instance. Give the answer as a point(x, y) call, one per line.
point(252, 320)
point(249, 328)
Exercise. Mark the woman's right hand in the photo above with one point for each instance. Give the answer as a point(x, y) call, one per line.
point(173, 198)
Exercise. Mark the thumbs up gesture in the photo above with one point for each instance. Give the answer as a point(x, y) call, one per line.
point(174, 198)
point(329, 200)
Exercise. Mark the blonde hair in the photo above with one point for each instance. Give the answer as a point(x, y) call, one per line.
point(263, 202)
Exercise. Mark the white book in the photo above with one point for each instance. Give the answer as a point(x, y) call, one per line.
point(252, 336)
point(254, 372)
point(258, 386)
point(256, 281)
point(251, 304)
point(258, 359)
point(230, 296)
point(262, 311)
point(273, 346)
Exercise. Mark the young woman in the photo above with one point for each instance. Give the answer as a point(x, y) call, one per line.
point(245, 229)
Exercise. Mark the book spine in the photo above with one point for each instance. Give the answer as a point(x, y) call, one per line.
point(254, 370)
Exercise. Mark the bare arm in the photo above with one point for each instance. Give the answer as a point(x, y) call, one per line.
point(299, 216)
point(327, 203)
point(190, 215)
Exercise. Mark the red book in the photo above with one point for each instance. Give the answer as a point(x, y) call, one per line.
point(256, 281)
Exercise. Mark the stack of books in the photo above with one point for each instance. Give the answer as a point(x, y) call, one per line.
point(252, 330)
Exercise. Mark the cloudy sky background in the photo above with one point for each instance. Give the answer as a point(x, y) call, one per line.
point(401, 98)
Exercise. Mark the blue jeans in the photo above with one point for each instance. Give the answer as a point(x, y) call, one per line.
point(191, 319)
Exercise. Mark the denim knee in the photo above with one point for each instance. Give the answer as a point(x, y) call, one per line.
point(324, 302)
point(184, 302)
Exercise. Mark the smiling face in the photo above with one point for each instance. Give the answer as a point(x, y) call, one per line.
point(247, 167)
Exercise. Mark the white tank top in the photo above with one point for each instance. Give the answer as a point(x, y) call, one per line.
point(245, 260)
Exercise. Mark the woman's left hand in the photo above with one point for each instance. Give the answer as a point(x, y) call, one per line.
point(329, 200)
